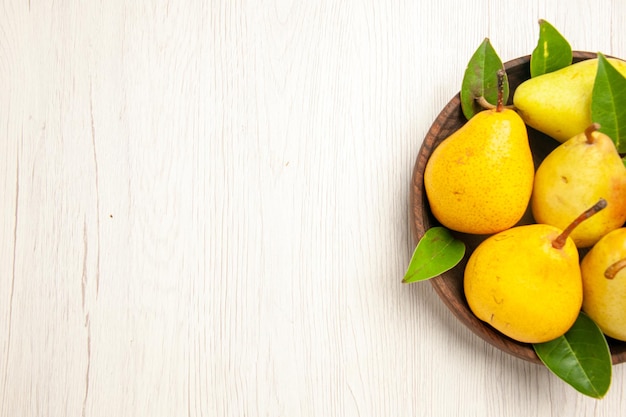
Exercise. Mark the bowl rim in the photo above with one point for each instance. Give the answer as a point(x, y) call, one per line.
point(419, 224)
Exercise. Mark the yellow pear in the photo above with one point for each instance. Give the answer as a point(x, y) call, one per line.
point(559, 103)
point(575, 175)
point(604, 284)
point(526, 281)
point(479, 179)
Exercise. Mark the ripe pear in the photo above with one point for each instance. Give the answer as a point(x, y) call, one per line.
point(559, 103)
point(575, 175)
point(526, 281)
point(604, 284)
point(479, 179)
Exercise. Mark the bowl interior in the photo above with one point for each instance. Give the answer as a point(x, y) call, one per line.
point(449, 286)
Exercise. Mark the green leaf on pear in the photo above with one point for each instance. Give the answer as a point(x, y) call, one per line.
point(436, 252)
point(608, 102)
point(581, 357)
point(552, 52)
point(480, 80)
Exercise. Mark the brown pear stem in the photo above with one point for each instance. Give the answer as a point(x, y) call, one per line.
point(482, 101)
point(588, 132)
point(560, 240)
point(613, 269)
point(500, 103)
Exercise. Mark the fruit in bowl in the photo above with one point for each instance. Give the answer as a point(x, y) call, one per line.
point(558, 103)
point(573, 176)
point(450, 284)
point(535, 295)
point(604, 281)
point(501, 208)
point(484, 171)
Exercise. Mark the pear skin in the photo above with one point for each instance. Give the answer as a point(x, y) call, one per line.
point(604, 298)
point(575, 175)
point(523, 286)
point(559, 103)
point(479, 179)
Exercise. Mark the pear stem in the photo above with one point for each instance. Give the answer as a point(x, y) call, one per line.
point(588, 132)
point(500, 104)
point(560, 240)
point(613, 269)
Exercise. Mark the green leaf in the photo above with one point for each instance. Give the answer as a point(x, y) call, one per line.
point(608, 102)
point(481, 80)
point(552, 52)
point(580, 357)
point(435, 253)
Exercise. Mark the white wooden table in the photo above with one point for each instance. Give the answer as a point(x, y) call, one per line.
point(204, 208)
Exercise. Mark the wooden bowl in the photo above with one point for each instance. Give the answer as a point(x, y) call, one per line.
point(449, 286)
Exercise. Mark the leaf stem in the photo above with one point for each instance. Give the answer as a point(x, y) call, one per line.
point(482, 102)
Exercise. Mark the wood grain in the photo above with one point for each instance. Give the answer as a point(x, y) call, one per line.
point(205, 209)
